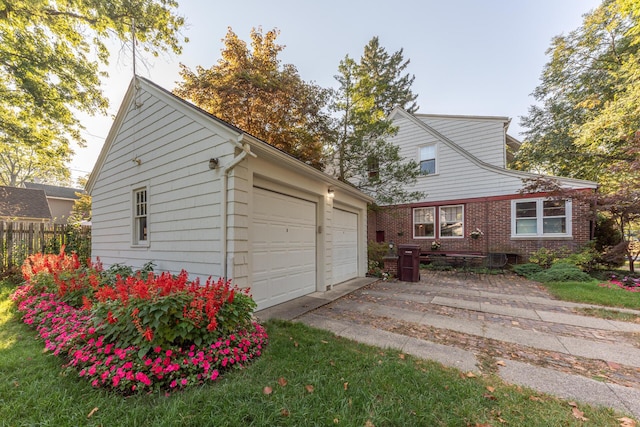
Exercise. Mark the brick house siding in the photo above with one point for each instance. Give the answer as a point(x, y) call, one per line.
point(492, 215)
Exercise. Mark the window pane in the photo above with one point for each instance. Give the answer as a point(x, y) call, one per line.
point(451, 221)
point(554, 225)
point(423, 215)
point(428, 167)
point(554, 208)
point(526, 210)
point(428, 152)
point(423, 222)
point(142, 229)
point(424, 230)
point(526, 226)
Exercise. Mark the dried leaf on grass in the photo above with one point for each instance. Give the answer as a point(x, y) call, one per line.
point(284, 412)
point(490, 389)
point(577, 413)
point(346, 385)
point(267, 390)
point(93, 411)
point(282, 381)
point(309, 388)
point(627, 422)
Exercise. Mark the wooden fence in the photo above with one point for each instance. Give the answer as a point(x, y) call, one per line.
point(19, 240)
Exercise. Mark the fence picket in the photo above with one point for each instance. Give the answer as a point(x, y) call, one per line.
point(19, 240)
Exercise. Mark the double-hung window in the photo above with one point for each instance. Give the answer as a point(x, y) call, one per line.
point(427, 159)
point(540, 218)
point(140, 229)
point(451, 221)
point(424, 222)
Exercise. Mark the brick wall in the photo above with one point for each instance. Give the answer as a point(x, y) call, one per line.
point(491, 215)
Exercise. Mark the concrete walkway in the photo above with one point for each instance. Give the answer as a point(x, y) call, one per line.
point(538, 342)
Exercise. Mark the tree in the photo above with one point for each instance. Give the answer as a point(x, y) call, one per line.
point(50, 57)
point(21, 162)
point(368, 91)
point(586, 122)
point(251, 89)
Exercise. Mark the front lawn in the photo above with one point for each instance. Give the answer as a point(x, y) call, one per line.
point(304, 377)
point(597, 292)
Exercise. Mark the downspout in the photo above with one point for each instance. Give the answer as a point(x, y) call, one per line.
point(246, 149)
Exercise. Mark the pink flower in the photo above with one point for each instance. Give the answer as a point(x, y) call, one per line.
point(184, 382)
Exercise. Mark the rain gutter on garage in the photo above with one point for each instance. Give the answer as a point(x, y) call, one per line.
point(246, 149)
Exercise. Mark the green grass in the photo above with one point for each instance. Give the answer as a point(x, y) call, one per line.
point(592, 293)
point(352, 384)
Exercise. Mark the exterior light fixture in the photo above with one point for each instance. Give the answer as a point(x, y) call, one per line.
point(331, 193)
point(213, 162)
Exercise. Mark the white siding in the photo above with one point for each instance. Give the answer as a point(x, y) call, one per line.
point(183, 193)
point(482, 137)
point(458, 177)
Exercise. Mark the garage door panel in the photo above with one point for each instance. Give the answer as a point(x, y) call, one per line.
point(284, 248)
point(345, 245)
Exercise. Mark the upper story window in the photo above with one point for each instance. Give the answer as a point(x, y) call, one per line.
point(373, 166)
point(428, 159)
point(540, 217)
point(140, 230)
point(452, 221)
point(424, 222)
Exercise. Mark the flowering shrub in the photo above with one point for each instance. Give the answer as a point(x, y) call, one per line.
point(628, 283)
point(161, 332)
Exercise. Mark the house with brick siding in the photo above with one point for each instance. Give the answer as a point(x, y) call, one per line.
point(472, 200)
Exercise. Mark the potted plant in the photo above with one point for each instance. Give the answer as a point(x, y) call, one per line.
point(435, 245)
point(475, 234)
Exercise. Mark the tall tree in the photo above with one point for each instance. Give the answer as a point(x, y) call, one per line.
point(251, 88)
point(50, 57)
point(586, 121)
point(368, 90)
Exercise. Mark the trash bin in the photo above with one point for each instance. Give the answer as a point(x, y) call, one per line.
point(409, 263)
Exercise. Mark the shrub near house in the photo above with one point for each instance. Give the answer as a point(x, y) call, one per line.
point(139, 332)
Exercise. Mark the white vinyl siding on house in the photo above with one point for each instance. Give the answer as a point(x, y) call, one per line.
point(185, 198)
point(458, 177)
point(483, 137)
point(424, 222)
point(540, 218)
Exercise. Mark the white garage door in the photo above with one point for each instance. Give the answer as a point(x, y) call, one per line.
point(345, 245)
point(284, 248)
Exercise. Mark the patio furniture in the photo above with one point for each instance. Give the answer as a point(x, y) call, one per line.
point(497, 261)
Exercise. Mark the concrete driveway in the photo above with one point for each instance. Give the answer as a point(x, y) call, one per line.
point(487, 323)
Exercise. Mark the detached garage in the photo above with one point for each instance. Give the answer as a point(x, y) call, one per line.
point(186, 190)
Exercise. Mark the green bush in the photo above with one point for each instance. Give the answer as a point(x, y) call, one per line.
point(587, 259)
point(546, 257)
point(527, 270)
point(561, 272)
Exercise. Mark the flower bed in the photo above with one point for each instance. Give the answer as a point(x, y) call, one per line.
point(628, 283)
point(138, 333)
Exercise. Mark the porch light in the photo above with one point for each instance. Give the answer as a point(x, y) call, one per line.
point(331, 193)
point(213, 163)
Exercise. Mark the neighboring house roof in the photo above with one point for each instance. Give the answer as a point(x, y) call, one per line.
point(23, 203)
point(258, 145)
point(570, 182)
point(55, 191)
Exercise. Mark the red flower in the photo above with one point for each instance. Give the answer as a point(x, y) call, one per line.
point(110, 317)
point(148, 334)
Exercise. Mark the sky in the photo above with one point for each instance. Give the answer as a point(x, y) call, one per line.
point(469, 57)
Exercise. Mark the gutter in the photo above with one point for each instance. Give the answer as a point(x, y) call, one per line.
point(246, 149)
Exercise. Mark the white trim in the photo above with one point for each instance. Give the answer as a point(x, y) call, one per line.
point(135, 241)
point(540, 219)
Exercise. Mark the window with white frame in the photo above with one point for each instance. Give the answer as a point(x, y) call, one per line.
point(424, 222)
point(540, 217)
point(428, 159)
point(452, 221)
point(140, 230)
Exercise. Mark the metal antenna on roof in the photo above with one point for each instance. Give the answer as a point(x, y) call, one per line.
point(133, 43)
